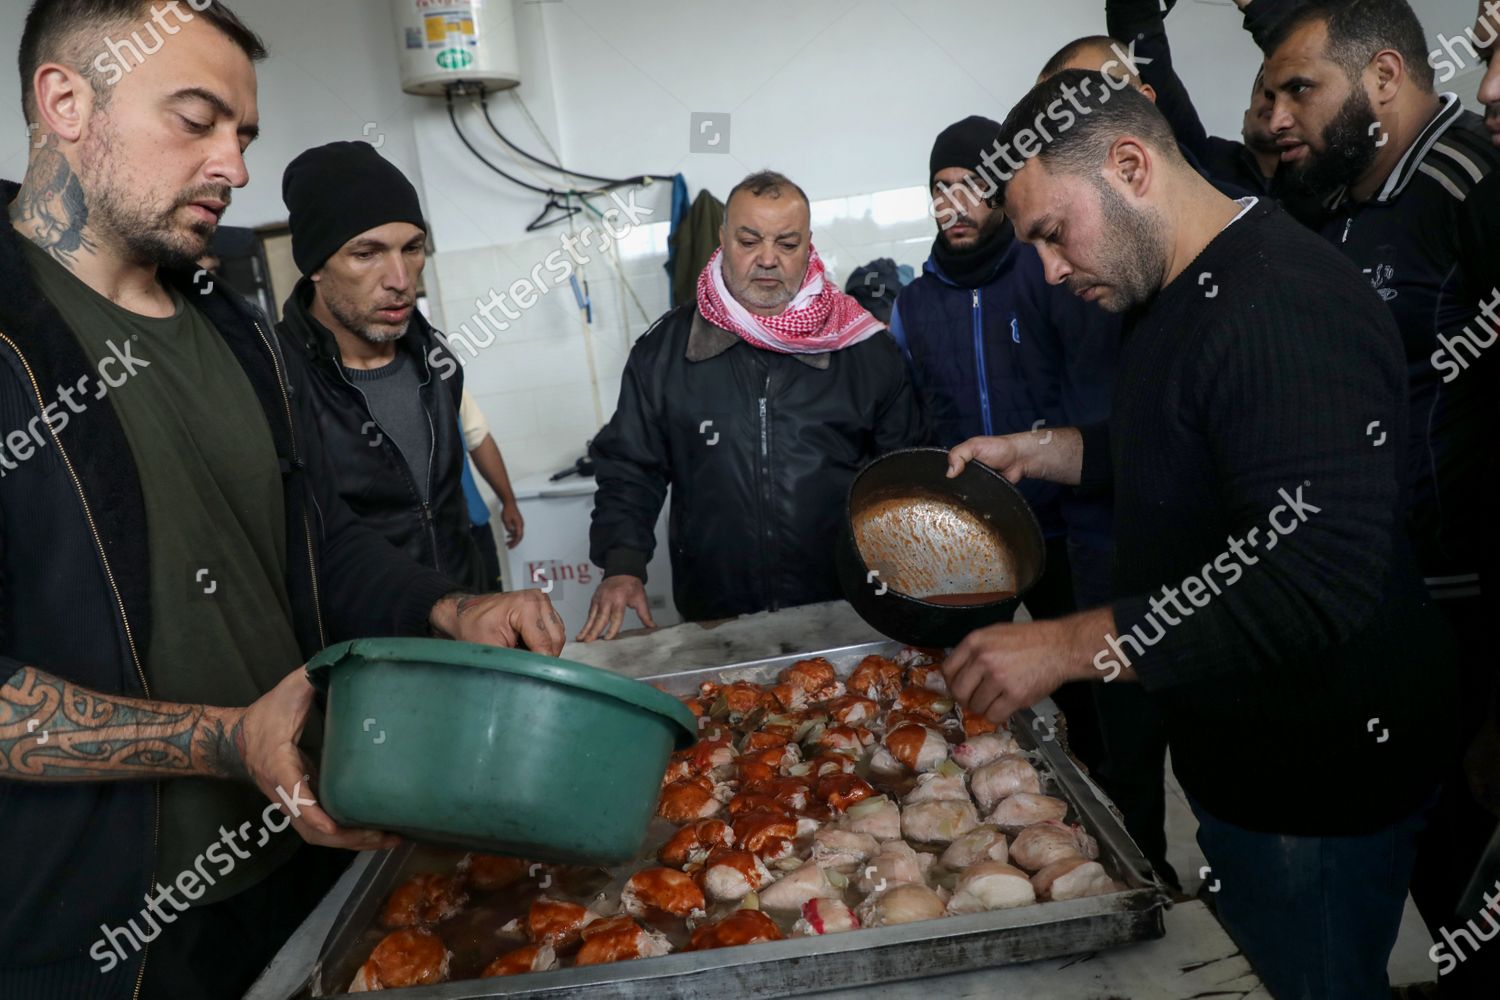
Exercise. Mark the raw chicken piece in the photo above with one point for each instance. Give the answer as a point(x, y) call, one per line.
point(1040, 844)
point(492, 871)
point(701, 757)
point(877, 678)
point(528, 958)
point(990, 885)
point(983, 843)
point(621, 942)
point(853, 710)
point(411, 957)
point(877, 816)
point(843, 739)
point(691, 844)
point(423, 899)
point(1024, 808)
point(808, 881)
point(832, 763)
point(976, 751)
point(825, 916)
point(778, 757)
point(929, 676)
point(790, 697)
point(895, 862)
point(1073, 878)
point(692, 798)
point(740, 927)
point(925, 701)
point(910, 747)
point(767, 835)
point(554, 922)
point(661, 889)
point(815, 676)
point(833, 847)
point(749, 802)
point(900, 904)
point(938, 822)
point(841, 791)
point(791, 793)
point(732, 875)
point(1002, 777)
point(936, 787)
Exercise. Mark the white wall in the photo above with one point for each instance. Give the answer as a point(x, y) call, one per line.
point(844, 95)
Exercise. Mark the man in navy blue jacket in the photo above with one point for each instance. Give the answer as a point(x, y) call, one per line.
point(994, 349)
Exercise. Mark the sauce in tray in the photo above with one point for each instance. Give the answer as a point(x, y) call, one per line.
point(969, 600)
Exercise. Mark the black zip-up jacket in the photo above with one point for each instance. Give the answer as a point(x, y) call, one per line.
point(75, 602)
point(372, 475)
point(759, 449)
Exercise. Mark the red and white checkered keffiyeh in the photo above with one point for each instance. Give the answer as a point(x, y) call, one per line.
point(819, 318)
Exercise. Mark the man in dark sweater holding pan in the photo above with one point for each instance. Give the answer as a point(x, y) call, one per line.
point(1270, 600)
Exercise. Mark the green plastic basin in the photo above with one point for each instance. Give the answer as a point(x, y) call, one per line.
point(491, 749)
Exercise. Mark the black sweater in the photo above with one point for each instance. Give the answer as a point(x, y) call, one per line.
point(1248, 394)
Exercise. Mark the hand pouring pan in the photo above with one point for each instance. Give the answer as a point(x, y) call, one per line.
point(925, 559)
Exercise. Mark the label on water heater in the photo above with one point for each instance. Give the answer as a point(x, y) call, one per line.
point(450, 29)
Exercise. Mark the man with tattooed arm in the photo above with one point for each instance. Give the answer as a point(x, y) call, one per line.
point(171, 544)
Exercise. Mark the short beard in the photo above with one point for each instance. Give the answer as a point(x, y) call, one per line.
point(1133, 256)
point(137, 229)
point(350, 319)
point(981, 234)
point(1348, 150)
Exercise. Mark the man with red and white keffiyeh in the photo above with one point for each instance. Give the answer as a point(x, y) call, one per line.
point(756, 404)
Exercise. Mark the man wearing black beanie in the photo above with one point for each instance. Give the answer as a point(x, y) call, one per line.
point(993, 349)
point(385, 390)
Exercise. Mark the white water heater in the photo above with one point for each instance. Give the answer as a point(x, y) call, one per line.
point(447, 42)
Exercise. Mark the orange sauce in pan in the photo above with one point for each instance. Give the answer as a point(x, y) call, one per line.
point(966, 600)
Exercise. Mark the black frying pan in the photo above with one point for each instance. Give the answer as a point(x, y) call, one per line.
point(925, 559)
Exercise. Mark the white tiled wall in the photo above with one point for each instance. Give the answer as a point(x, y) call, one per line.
point(534, 381)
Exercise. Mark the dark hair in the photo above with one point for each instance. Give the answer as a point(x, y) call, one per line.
point(766, 182)
point(1077, 47)
point(59, 30)
point(1079, 145)
point(1357, 29)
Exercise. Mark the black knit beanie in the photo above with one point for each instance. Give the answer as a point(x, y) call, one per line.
point(337, 191)
point(962, 144)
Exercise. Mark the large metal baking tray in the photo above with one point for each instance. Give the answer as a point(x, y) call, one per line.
point(802, 965)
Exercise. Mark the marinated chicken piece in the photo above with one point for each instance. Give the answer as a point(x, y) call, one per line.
point(983, 843)
point(753, 775)
point(938, 822)
point(808, 881)
point(664, 890)
point(990, 885)
point(878, 816)
point(853, 710)
point(740, 927)
point(896, 718)
point(1073, 878)
point(749, 802)
point(929, 676)
point(762, 740)
point(924, 701)
point(832, 763)
point(900, 904)
point(493, 871)
point(423, 899)
point(742, 698)
point(841, 791)
point(733, 874)
point(876, 677)
point(410, 957)
point(976, 725)
point(692, 844)
point(554, 922)
point(767, 835)
point(790, 697)
point(1002, 777)
point(1040, 844)
point(910, 747)
point(622, 941)
point(835, 848)
point(694, 705)
point(895, 862)
point(691, 798)
point(977, 751)
point(1024, 809)
point(825, 916)
point(528, 958)
point(778, 757)
point(793, 794)
point(700, 758)
point(937, 787)
point(815, 676)
point(843, 739)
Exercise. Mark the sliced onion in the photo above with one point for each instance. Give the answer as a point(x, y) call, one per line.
point(750, 902)
point(949, 768)
point(865, 807)
point(942, 706)
point(787, 864)
point(836, 878)
point(801, 770)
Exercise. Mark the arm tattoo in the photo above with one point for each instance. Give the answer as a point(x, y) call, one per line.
point(51, 208)
point(54, 730)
